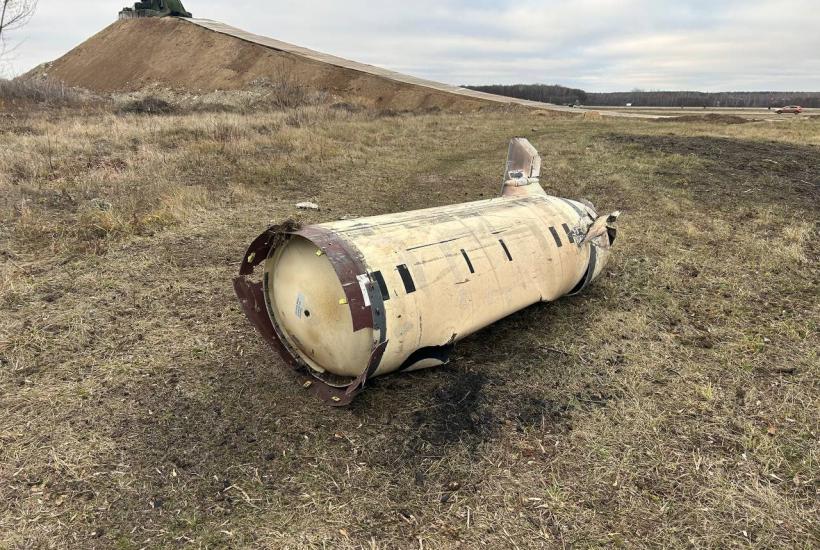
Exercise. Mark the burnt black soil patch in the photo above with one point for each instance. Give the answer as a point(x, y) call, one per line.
point(457, 412)
point(200, 436)
point(197, 438)
point(740, 171)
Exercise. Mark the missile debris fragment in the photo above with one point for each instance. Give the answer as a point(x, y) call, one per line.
point(344, 301)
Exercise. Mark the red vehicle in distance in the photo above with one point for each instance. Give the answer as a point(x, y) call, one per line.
point(794, 109)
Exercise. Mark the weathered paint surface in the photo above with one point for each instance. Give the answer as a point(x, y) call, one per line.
point(352, 299)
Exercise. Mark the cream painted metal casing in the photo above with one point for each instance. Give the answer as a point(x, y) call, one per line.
point(358, 298)
point(443, 273)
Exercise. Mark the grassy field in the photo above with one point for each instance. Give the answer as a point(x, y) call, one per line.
point(674, 404)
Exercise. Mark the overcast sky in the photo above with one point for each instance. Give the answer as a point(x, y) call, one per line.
point(597, 45)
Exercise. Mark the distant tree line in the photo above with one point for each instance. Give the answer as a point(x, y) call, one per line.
point(536, 92)
point(640, 98)
point(562, 95)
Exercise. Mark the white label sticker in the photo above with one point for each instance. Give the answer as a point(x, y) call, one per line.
point(300, 304)
point(363, 280)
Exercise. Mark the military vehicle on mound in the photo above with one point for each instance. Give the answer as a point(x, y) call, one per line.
point(155, 8)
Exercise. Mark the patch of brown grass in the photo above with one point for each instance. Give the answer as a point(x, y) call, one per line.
point(673, 404)
point(42, 91)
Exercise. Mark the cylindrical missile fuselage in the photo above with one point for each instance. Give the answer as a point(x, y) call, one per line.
point(412, 283)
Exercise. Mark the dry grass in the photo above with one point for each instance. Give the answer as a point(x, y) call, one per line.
point(24, 93)
point(673, 404)
point(261, 95)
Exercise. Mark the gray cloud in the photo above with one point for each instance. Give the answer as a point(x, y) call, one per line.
point(598, 45)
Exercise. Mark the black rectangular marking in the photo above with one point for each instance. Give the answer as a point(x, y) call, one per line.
point(406, 278)
point(569, 233)
point(506, 250)
point(467, 259)
point(377, 276)
point(556, 236)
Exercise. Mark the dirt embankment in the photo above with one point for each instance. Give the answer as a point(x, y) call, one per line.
point(135, 54)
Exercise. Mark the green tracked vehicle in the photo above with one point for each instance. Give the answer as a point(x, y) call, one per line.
point(155, 8)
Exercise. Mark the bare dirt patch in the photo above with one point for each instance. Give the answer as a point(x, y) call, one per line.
point(185, 57)
point(713, 118)
point(743, 170)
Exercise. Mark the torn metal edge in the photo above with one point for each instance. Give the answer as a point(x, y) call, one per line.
point(366, 312)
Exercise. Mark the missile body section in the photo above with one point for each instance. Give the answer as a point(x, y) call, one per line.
point(348, 300)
